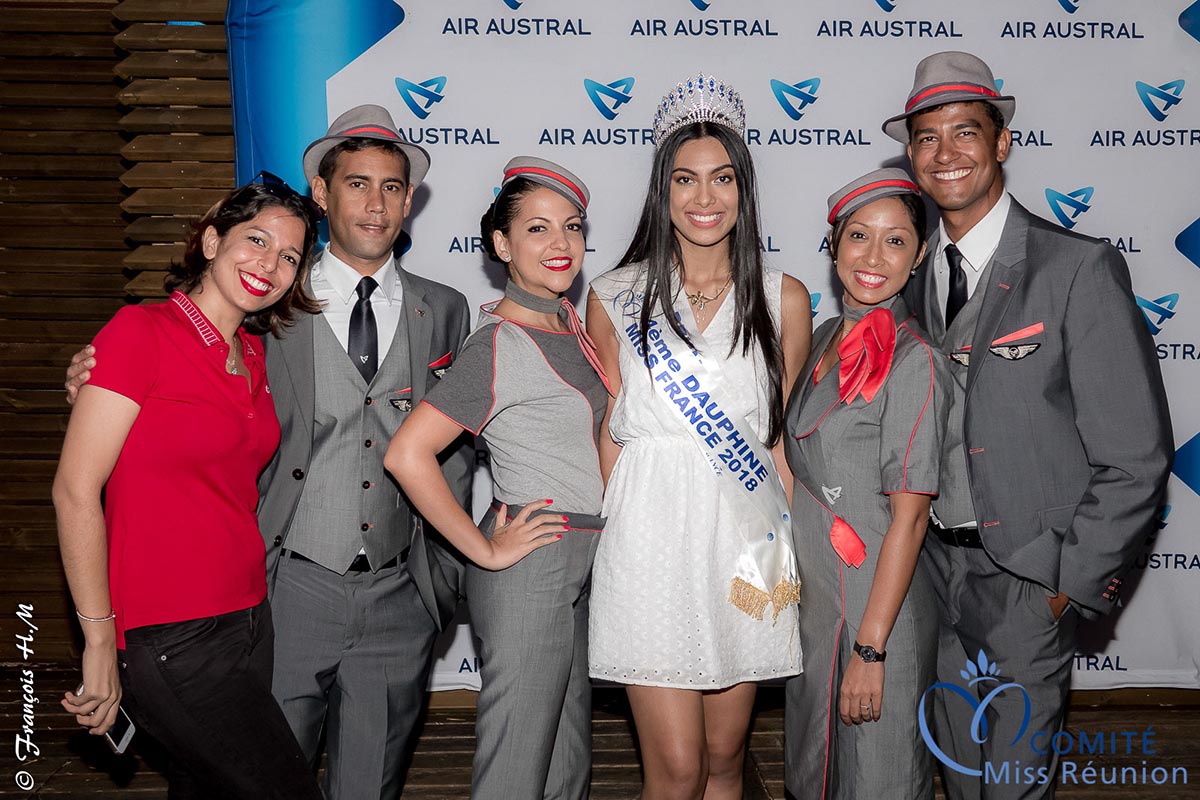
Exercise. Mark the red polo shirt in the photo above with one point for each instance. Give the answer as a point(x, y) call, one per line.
point(183, 538)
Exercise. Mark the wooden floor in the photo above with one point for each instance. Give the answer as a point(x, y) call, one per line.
point(72, 764)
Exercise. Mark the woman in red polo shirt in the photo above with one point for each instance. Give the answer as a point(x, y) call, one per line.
point(167, 570)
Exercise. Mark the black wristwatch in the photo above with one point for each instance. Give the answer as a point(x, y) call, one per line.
point(869, 654)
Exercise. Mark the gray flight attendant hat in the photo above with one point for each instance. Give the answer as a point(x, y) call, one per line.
point(550, 175)
point(867, 189)
point(949, 77)
point(366, 122)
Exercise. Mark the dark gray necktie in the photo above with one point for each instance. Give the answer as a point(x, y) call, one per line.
point(956, 297)
point(364, 340)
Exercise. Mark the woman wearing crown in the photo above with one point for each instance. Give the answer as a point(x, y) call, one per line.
point(695, 583)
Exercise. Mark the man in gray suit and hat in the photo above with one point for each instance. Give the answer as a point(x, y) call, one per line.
point(359, 587)
point(1059, 442)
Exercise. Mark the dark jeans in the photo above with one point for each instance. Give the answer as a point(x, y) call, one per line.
point(202, 688)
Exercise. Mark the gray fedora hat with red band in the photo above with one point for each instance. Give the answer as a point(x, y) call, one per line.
point(366, 122)
point(548, 174)
point(867, 189)
point(950, 77)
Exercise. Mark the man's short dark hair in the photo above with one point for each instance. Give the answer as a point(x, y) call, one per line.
point(329, 160)
point(993, 114)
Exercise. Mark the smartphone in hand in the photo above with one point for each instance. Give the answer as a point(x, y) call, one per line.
point(121, 733)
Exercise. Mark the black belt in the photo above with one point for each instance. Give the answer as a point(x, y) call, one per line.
point(958, 537)
point(360, 562)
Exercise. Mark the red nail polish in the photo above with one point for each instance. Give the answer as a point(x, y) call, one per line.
point(565, 519)
point(548, 502)
point(559, 536)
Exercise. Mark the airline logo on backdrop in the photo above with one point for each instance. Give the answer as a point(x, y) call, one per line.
point(1058, 28)
point(796, 100)
point(707, 26)
point(1151, 558)
point(420, 97)
point(1026, 137)
point(888, 28)
point(1161, 309)
point(1187, 463)
point(793, 98)
point(608, 97)
point(1158, 101)
point(1188, 242)
point(1189, 20)
point(515, 25)
point(1068, 207)
point(816, 301)
point(1157, 313)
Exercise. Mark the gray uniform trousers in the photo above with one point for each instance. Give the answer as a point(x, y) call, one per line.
point(357, 648)
point(984, 607)
point(533, 735)
point(1009, 619)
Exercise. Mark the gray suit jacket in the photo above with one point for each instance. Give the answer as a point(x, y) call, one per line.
point(438, 320)
point(1067, 434)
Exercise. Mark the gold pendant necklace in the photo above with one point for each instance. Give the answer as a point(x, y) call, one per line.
point(700, 300)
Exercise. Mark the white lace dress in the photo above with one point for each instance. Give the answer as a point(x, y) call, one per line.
point(660, 614)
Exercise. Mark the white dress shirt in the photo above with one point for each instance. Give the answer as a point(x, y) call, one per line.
point(334, 283)
point(977, 247)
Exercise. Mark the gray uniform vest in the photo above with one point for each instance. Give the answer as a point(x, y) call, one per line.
point(349, 501)
point(953, 505)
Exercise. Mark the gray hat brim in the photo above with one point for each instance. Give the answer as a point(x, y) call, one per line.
point(418, 158)
point(897, 126)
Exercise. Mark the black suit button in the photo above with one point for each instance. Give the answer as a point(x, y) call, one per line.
point(368, 401)
point(366, 526)
point(298, 474)
point(369, 443)
point(366, 484)
point(278, 540)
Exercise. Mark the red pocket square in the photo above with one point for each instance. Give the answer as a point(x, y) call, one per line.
point(442, 362)
point(1024, 333)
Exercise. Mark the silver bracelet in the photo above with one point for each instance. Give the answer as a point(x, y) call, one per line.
point(111, 615)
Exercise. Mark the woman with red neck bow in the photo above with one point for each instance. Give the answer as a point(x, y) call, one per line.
point(863, 436)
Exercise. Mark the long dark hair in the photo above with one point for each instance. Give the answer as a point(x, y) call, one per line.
point(243, 205)
point(655, 247)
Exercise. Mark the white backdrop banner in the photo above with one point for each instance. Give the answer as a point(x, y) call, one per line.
point(1107, 143)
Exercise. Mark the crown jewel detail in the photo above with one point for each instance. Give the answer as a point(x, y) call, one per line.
point(700, 98)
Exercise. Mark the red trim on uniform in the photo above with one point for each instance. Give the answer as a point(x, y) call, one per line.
point(371, 129)
point(971, 88)
point(516, 172)
point(444, 361)
point(586, 402)
point(883, 184)
point(450, 418)
point(837, 640)
point(917, 424)
point(1024, 333)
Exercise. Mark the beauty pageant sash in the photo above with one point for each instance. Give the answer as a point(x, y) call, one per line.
point(691, 386)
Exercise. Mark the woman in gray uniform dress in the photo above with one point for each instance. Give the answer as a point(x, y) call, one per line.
point(528, 382)
point(865, 423)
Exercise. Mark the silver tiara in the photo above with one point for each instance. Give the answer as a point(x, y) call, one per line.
point(701, 98)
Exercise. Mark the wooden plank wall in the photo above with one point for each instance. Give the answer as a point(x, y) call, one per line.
point(61, 247)
point(115, 133)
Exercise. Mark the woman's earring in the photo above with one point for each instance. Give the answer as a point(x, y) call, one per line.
point(912, 272)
